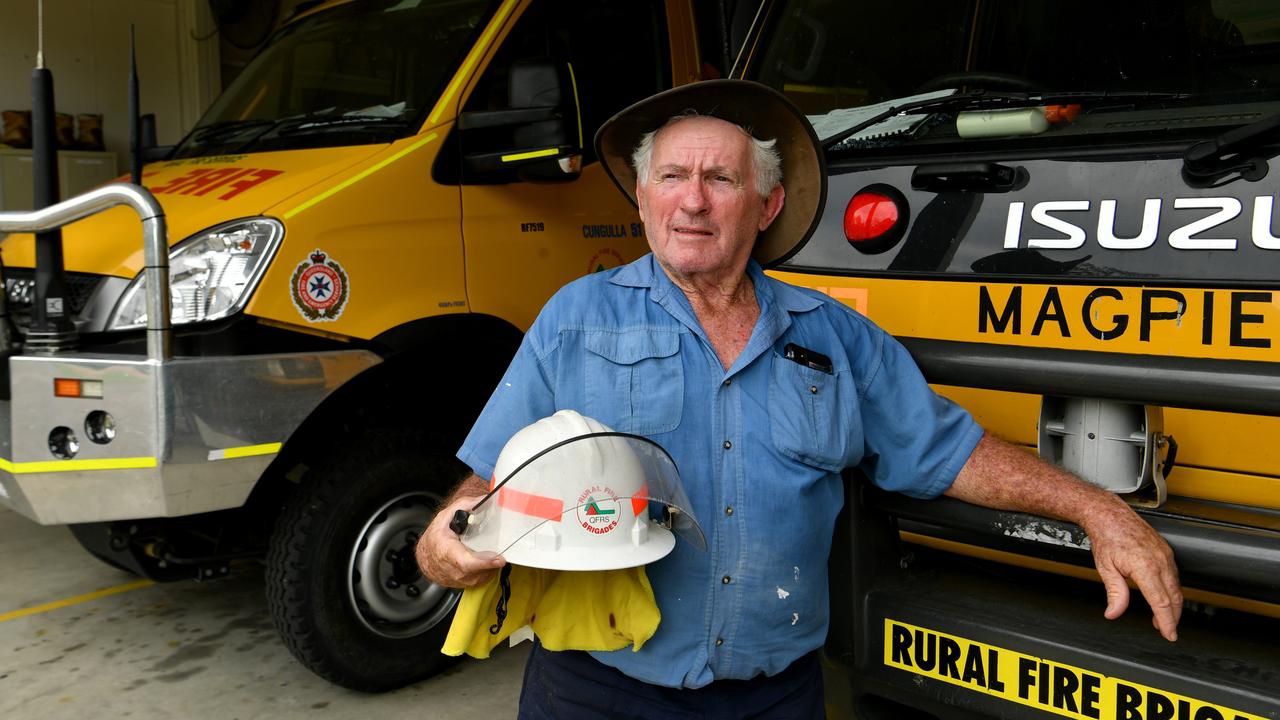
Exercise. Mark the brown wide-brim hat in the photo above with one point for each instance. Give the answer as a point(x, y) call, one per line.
point(762, 111)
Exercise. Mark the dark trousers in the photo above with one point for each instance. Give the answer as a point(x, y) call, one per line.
point(571, 685)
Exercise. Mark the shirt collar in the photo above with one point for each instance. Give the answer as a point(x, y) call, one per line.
point(639, 273)
point(789, 298)
point(646, 273)
point(778, 301)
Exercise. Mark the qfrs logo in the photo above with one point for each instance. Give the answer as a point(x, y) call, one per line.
point(598, 509)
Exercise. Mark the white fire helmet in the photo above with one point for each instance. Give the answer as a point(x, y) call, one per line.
point(571, 494)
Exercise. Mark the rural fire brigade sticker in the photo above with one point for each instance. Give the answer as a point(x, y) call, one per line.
point(1041, 683)
point(319, 288)
point(598, 509)
point(603, 260)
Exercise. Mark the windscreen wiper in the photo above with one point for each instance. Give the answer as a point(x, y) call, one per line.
point(343, 122)
point(215, 133)
point(227, 127)
point(1209, 161)
point(987, 100)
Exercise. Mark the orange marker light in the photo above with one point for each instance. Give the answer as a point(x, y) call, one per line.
point(1061, 113)
point(74, 388)
point(66, 387)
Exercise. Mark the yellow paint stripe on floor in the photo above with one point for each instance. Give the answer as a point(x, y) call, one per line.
point(87, 597)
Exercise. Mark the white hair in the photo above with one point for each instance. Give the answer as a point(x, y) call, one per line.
point(765, 158)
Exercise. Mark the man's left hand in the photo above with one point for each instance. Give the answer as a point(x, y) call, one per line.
point(1126, 547)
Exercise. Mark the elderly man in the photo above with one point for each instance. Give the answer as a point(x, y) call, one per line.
point(762, 393)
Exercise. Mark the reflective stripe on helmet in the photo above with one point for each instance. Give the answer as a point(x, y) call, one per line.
point(539, 506)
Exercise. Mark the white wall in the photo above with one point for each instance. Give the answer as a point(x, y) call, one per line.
point(86, 46)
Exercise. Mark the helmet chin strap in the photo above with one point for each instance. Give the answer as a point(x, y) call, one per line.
point(504, 581)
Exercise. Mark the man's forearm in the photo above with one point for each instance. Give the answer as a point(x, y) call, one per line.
point(1000, 475)
point(440, 553)
point(470, 485)
point(1003, 476)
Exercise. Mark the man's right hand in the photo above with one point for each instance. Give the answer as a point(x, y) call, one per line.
point(445, 560)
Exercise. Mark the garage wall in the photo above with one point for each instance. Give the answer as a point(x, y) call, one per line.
point(86, 46)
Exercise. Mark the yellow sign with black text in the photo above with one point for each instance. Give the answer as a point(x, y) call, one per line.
point(1036, 682)
point(1202, 322)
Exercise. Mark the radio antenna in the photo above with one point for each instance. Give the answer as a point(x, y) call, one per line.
point(135, 120)
point(51, 327)
point(39, 34)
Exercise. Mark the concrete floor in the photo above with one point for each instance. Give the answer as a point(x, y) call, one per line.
point(80, 639)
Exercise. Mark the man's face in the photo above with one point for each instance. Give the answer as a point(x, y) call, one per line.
point(700, 206)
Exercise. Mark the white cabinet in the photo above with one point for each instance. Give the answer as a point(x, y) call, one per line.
point(78, 171)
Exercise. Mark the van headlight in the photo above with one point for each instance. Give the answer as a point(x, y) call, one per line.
point(211, 275)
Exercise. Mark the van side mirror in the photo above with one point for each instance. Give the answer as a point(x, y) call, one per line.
point(538, 137)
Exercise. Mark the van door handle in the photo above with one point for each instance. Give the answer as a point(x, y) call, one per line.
point(980, 176)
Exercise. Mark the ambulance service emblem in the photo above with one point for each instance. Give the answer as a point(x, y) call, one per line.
point(319, 288)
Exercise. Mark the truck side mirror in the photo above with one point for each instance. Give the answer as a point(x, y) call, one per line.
point(537, 138)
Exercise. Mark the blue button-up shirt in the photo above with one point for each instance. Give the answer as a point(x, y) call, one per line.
point(759, 447)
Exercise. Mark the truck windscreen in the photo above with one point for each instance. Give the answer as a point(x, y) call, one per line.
point(1137, 70)
point(360, 73)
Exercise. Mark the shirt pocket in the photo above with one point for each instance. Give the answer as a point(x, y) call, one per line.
point(813, 415)
point(635, 380)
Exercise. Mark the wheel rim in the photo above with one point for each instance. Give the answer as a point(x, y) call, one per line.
point(389, 594)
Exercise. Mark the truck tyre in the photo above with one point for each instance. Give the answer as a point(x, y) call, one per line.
point(343, 586)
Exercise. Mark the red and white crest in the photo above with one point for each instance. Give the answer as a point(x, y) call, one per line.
point(319, 288)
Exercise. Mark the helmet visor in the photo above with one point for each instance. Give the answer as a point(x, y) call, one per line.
point(595, 501)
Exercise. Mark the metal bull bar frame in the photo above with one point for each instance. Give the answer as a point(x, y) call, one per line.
point(1240, 386)
point(155, 246)
point(1232, 552)
point(191, 434)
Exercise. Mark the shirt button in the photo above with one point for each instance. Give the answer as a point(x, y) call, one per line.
point(719, 642)
point(726, 580)
point(813, 389)
point(728, 382)
point(728, 510)
point(727, 444)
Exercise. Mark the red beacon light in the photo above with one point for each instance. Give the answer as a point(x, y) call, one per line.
point(875, 218)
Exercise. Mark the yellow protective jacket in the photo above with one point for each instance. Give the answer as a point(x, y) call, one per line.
point(568, 610)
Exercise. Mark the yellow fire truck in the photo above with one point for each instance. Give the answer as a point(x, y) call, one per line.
point(1066, 213)
point(359, 230)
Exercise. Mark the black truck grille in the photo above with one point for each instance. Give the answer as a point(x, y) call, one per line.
point(20, 290)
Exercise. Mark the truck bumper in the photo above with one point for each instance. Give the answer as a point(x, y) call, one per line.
point(918, 630)
point(982, 644)
point(188, 435)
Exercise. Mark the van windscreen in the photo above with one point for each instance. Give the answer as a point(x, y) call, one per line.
point(359, 73)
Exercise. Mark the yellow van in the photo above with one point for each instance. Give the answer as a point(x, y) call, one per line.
point(362, 226)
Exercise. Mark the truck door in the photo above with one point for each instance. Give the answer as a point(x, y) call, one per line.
point(526, 229)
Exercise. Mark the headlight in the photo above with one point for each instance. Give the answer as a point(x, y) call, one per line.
point(211, 275)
